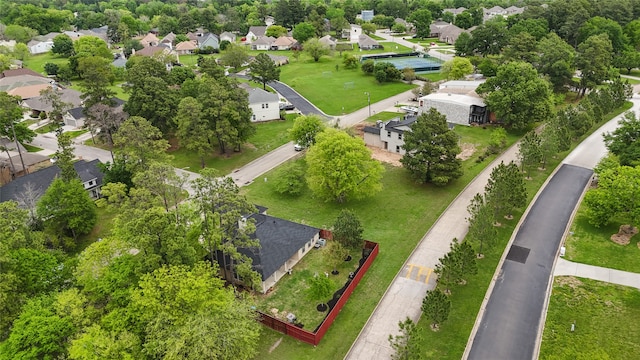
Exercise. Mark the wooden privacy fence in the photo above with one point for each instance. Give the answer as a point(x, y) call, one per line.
point(371, 252)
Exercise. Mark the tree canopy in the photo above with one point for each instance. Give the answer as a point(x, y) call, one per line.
point(340, 167)
point(624, 141)
point(517, 95)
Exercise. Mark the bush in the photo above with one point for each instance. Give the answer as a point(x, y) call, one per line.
point(51, 68)
point(368, 67)
point(289, 179)
point(224, 44)
point(349, 61)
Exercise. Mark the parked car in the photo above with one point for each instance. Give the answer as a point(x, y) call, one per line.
point(298, 147)
point(286, 106)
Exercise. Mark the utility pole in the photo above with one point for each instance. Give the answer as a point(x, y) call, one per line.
point(368, 101)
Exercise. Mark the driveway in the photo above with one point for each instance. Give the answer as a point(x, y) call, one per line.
point(292, 96)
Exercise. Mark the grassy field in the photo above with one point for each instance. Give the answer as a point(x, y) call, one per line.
point(591, 245)
point(269, 135)
point(605, 318)
point(396, 218)
point(116, 87)
point(36, 62)
point(336, 91)
point(102, 229)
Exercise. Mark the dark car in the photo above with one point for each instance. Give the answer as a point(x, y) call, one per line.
point(286, 106)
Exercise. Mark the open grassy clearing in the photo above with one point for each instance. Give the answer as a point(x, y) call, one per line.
point(102, 229)
point(336, 91)
point(37, 62)
point(591, 245)
point(269, 135)
point(604, 315)
point(290, 295)
point(397, 218)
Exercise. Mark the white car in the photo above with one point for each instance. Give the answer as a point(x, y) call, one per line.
point(298, 147)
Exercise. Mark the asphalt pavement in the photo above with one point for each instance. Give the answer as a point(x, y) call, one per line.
point(509, 327)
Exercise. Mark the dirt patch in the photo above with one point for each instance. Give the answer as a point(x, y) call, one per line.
point(624, 235)
point(385, 156)
point(275, 345)
point(570, 281)
point(467, 150)
point(250, 146)
point(358, 128)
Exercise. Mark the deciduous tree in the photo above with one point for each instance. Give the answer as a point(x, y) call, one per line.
point(63, 45)
point(305, 129)
point(517, 95)
point(139, 143)
point(340, 167)
point(593, 60)
point(624, 140)
point(421, 20)
point(431, 150)
point(347, 230)
point(557, 60)
point(234, 56)
point(193, 129)
point(315, 49)
point(457, 68)
point(615, 197)
point(303, 32)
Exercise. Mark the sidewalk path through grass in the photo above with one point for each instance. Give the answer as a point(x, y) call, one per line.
point(403, 297)
point(569, 268)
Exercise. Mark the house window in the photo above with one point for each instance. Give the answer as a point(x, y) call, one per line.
point(266, 106)
point(388, 133)
point(263, 106)
point(397, 148)
point(254, 117)
point(399, 136)
point(91, 183)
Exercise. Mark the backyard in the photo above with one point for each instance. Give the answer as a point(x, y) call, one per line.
point(604, 316)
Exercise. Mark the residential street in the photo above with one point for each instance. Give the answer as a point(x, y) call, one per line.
point(509, 325)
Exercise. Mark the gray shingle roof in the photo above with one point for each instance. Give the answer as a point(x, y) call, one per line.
point(279, 240)
point(41, 179)
point(257, 96)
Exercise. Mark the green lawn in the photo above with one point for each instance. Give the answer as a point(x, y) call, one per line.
point(102, 229)
point(76, 133)
point(433, 77)
point(591, 245)
point(36, 62)
point(398, 229)
point(415, 209)
point(31, 148)
point(335, 92)
point(116, 87)
point(269, 135)
point(290, 293)
point(384, 116)
point(605, 317)
point(47, 128)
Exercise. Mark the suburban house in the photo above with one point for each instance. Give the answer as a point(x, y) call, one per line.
point(365, 42)
point(100, 32)
point(262, 43)
point(75, 117)
point(389, 135)
point(466, 87)
point(168, 39)
point(328, 41)
point(457, 11)
point(8, 44)
point(169, 56)
point(229, 36)
point(255, 32)
point(279, 60)
point(11, 166)
point(283, 244)
point(208, 40)
point(42, 44)
point(436, 27)
point(24, 84)
point(193, 36)
point(39, 181)
point(37, 104)
point(283, 43)
point(119, 62)
point(449, 34)
point(263, 104)
point(186, 47)
point(458, 108)
point(269, 20)
point(352, 33)
point(150, 40)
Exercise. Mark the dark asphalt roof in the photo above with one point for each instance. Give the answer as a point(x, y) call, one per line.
point(372, 130)
point(279, 240)
point(41, 179)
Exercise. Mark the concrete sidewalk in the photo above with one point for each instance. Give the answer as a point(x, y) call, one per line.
point(403, 297)
point(569, 268)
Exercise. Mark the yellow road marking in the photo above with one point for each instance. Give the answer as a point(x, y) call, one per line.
point(426, 279)
point(409, 271)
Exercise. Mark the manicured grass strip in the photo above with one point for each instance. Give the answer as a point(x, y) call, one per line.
point(605, 317)
point(31, 148)
point(269, 136)
point(336, 91)
point(450, 341)
point(591, 245)
point(384, 116)
point(47, 128)
point(396, 218)
point(76, 133)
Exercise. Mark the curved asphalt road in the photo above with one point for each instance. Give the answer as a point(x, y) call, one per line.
point(510, 324)
point(292, 96)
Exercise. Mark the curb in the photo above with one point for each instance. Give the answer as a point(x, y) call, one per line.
point(489, 166)
point(498, 270)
